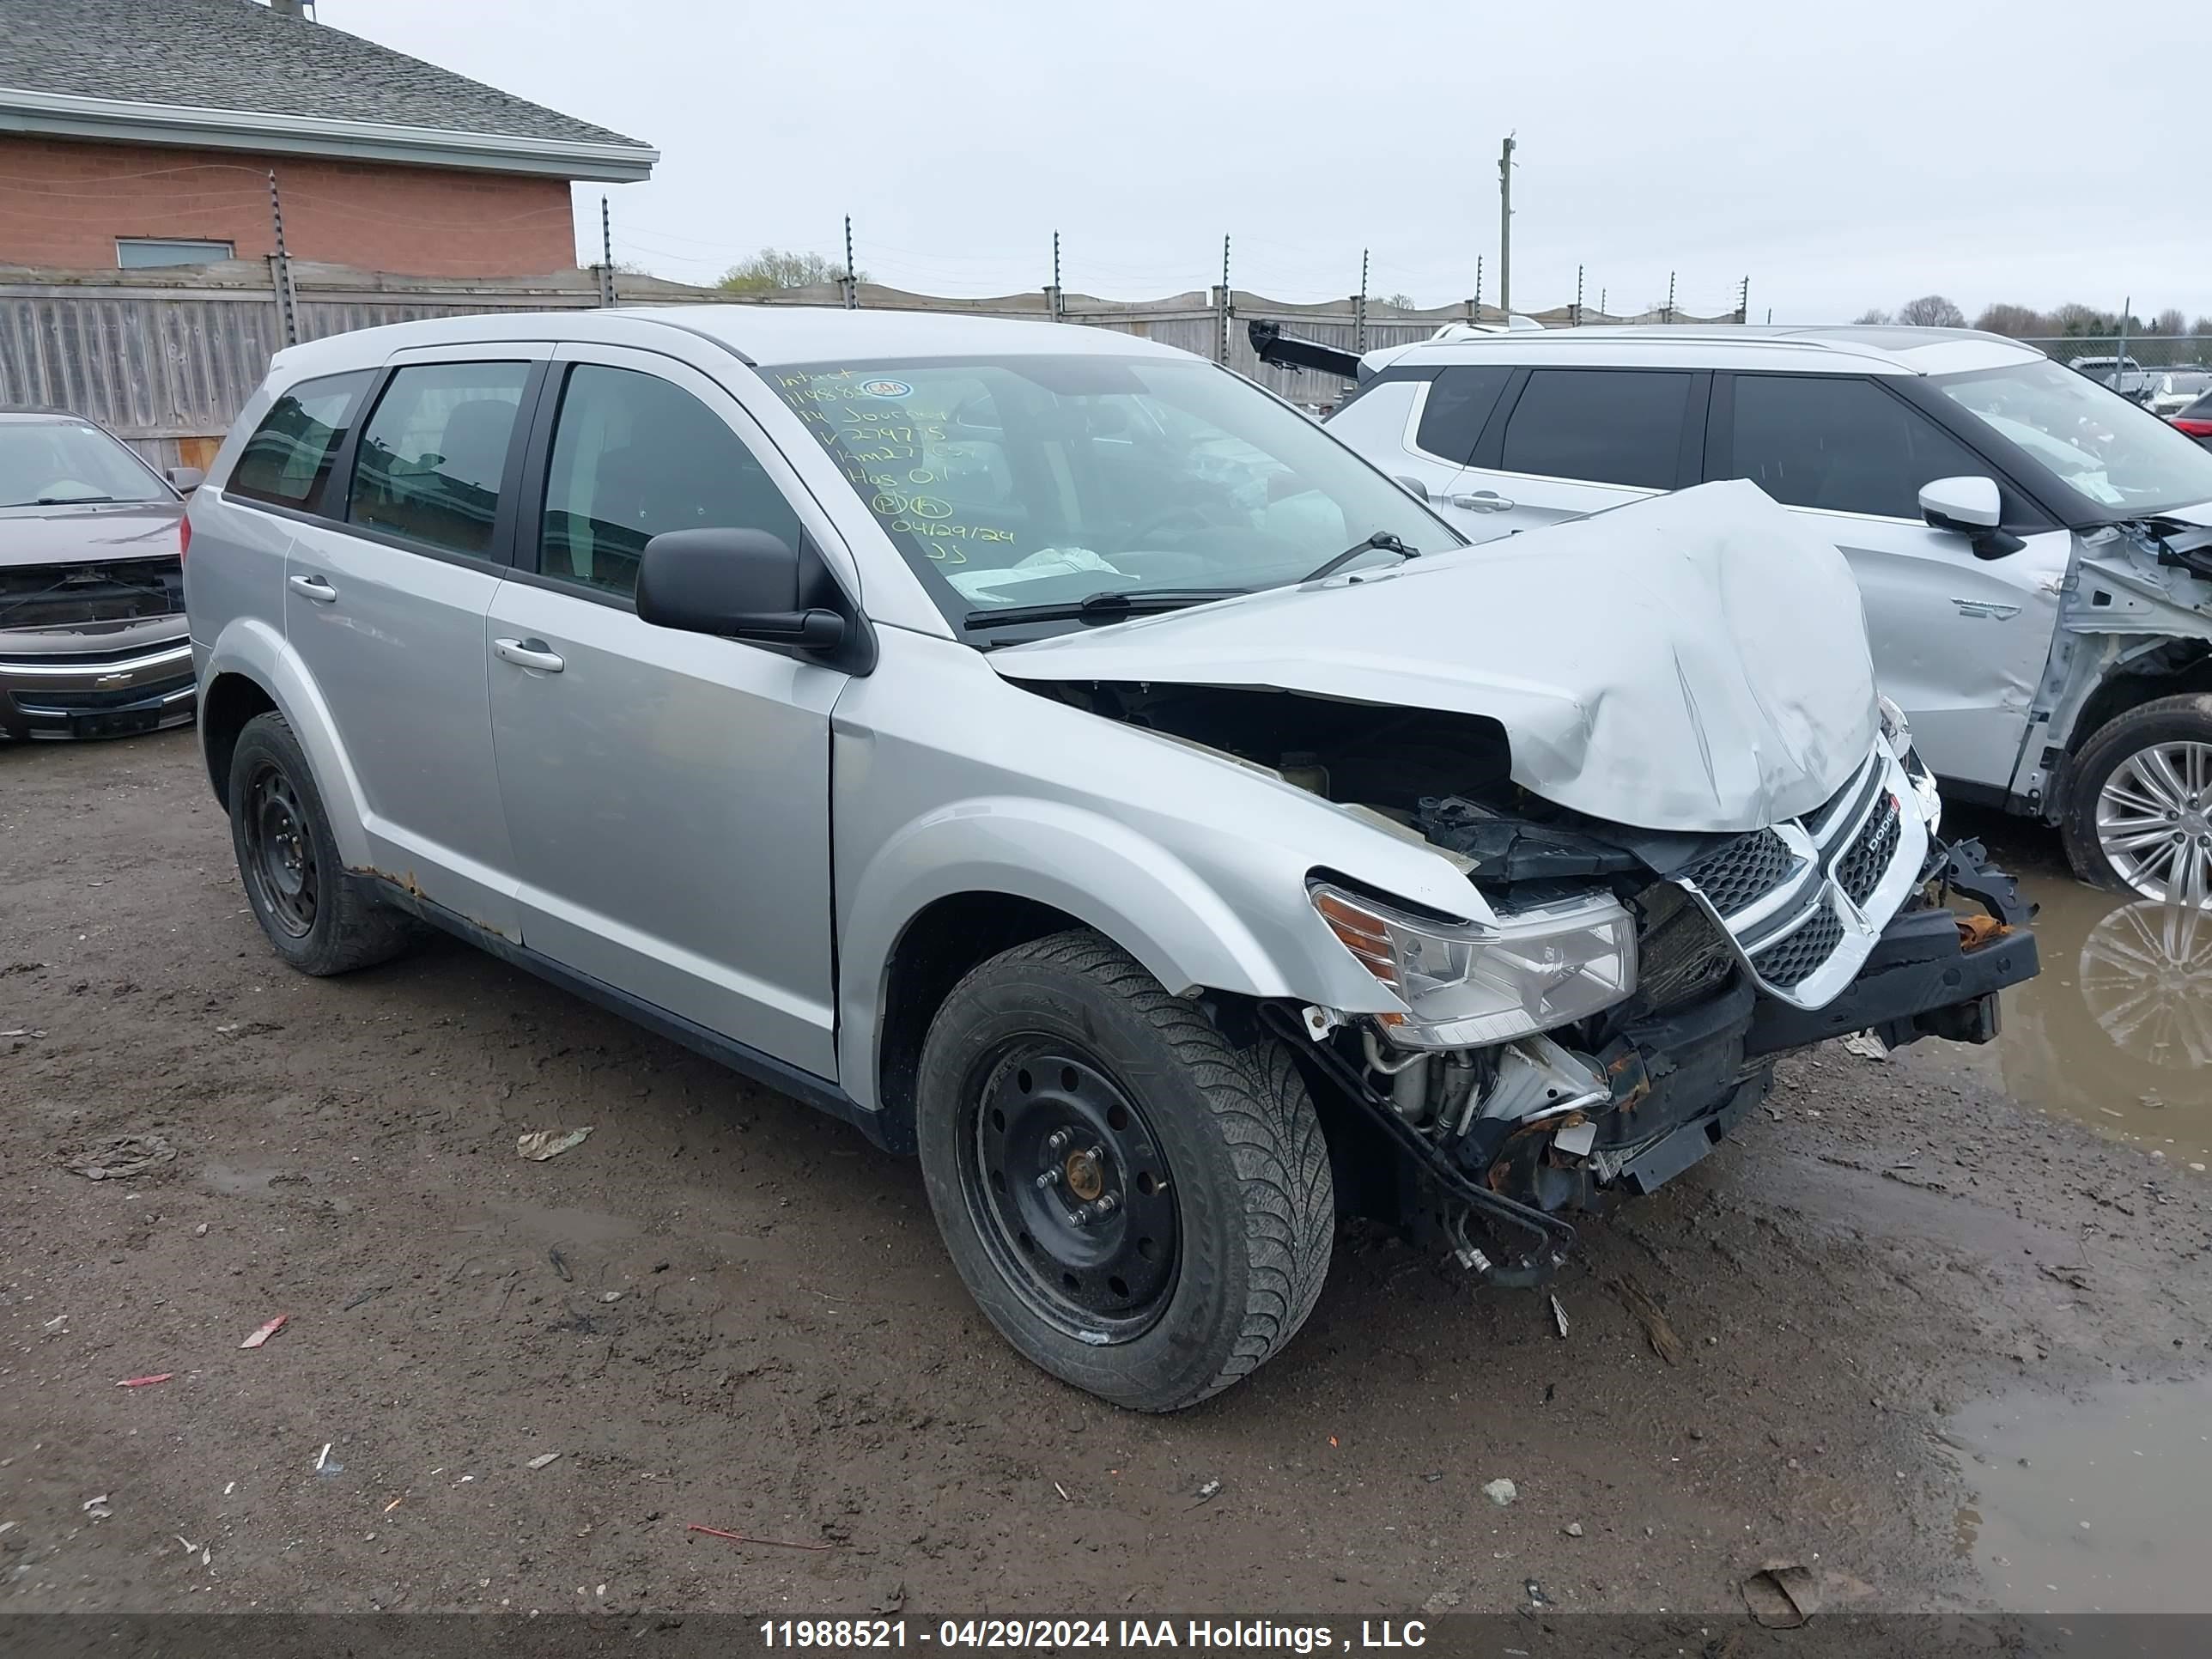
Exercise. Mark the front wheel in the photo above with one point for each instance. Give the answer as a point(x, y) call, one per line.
point(2138, 815)
point(1141, 1208)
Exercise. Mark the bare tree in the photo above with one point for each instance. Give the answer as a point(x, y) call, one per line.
point(1874, 315)
point(2169, 321)
point(2019, 321)
point(773, 268)
point(1930, 311)
point(2203, 326)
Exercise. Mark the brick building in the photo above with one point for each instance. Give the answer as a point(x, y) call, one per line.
point(143, 132)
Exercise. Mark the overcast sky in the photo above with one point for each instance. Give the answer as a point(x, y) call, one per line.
point(1987, 151)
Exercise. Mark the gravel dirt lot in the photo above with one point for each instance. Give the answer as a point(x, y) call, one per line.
point(723, 1309)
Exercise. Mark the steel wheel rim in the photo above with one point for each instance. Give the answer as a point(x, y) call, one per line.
point(2154, 821)
point(1052, 1137)
point(280, 852)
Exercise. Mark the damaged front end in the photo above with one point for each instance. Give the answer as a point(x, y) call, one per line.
point(1663, 995)
point(1622, 1006)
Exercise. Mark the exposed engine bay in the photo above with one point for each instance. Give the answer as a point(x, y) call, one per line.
point(1661, 974)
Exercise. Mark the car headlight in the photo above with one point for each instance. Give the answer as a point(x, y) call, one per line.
point(1897, 733)
point(1467, 985)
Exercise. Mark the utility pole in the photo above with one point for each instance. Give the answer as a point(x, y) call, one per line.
point(2120, 360)
point(1056, 311)
point(852, 282)
point(1670, 296)
point(1359, 326)
point(280, 270)
point(606, 253)
point(1478, 287)
point(1505, 226)
point(1601, 310)
point(1579, 297)
point(1221, 342)
point(1743, 301)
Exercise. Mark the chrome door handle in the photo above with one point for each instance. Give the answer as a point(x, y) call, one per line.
point(314, 587)
point(527, 653)
point(1482, 501)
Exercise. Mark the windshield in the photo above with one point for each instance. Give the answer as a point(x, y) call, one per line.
point(2123, 459)
point(1026, 481)
point(59, 461)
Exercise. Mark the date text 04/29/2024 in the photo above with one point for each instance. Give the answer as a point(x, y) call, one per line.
point(1249, 1635)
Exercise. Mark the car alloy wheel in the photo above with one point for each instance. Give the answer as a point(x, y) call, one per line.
point(2154, 821)
point(1070, 1189)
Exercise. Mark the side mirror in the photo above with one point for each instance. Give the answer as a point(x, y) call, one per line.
point(1967, 504)
point(184, 479)
point(1973, 508)
point(1413, 486)
point(739, 584)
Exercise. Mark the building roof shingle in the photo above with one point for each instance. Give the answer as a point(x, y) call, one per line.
point(238, 55)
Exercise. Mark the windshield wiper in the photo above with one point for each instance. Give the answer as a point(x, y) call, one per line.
point(1111, 605)
point(1380, 539)
point(70, 500)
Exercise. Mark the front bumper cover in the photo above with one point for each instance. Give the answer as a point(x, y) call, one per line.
point(98, 692)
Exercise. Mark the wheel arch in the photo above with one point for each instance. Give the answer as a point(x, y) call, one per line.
point(251, 670)
point(2176, 669)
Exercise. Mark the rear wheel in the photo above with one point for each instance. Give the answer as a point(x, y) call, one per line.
point(1140, 1206)
point(2138, 814)
point(317, 917)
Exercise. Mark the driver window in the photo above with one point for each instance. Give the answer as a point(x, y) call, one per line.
point(634, 456)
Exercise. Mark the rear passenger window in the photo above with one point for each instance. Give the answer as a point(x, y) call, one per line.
point(431, 456)
point(288, 459)
point(1842, 444)
point(1609, 426)
point(634, 456)
point(1459, 401)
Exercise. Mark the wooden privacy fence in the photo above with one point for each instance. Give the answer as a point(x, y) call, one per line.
point(165, 358)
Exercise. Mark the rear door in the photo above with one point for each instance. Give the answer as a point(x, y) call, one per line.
point(1959, 642)
point(666, 793)
point(385, 609)
point(1568, 442)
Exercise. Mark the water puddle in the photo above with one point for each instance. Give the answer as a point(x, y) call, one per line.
point(2091, 1504)
point(2117, 1031)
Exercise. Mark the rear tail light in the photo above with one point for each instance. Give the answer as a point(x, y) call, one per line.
point(2195, 429)
point(184, 538)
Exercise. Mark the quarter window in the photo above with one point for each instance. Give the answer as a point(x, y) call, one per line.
point(1609, 426)
point(1459, 402)
point(1839, 443)
point(288, 459)
point(431, 456)
point(634, 456)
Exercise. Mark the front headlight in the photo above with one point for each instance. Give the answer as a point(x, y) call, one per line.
point(1468, 986)
point(1897, 733)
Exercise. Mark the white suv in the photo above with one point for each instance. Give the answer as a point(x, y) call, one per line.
point(2034, 551)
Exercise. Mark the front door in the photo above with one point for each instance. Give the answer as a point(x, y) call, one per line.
point(666, 793)
point(1959, 642)
point(384, 606)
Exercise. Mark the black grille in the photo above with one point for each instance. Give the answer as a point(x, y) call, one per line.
point(1796, 958)
point(1747, 869)
point(1860, 871)
point(71, 596)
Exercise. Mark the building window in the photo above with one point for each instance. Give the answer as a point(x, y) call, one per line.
point(143, 254)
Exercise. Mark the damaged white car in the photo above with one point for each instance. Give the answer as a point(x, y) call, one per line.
point(2035, 550)
point(1056, 757)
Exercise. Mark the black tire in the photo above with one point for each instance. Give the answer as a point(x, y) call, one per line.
point(2167, 720)
point(317, 917)
point(1227, 1134)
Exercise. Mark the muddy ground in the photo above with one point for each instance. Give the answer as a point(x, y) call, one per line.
point(725, 1309)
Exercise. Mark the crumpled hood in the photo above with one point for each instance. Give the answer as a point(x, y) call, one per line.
point(62, 534)
point(1697, 662)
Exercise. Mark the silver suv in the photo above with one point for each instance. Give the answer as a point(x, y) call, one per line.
point(1061, 758)
point(2035, 552)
